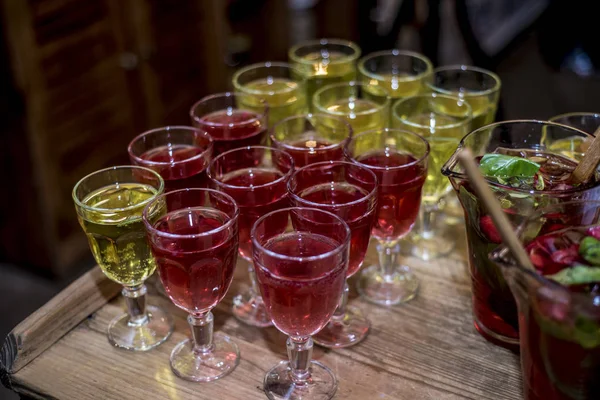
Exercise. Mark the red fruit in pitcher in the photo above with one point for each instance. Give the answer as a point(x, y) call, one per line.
point(489, 229)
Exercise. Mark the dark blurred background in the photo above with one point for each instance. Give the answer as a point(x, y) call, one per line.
point(80, 78)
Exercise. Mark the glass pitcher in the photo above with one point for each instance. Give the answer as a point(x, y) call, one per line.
point(494, 308)
point(559, 327)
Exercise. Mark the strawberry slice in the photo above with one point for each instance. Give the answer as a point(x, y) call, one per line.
point(594, 231)
point(489, 229)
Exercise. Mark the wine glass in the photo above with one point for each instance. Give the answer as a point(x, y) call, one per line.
point(324, 61)
point(477, 86)
point(349, 191)
point(584, 121)
point(279, 84)
point(180, 154)
point(312, 138)
point(402, 73)
point(443, 121)
point(230, 122)
point(256, 177)
point(109, 205)
point(301, 268)
point(399, 160)
point(193, 234)
point(364, 106)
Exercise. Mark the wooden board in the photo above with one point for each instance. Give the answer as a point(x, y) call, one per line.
point(426, 349)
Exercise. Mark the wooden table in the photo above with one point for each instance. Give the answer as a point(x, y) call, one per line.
point(426, 349)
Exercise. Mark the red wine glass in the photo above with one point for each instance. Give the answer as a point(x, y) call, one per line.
point(301, 268)
point(312, 138)
point(180, 155)
point(229, 122)
point(256, 177)
point(399, 160)
point(349, 191)
point(193, 234)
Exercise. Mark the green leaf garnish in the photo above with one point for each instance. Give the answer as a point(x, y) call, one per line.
point(589, 249)
point(582, 330)
point(577, 275)
point(502, 167)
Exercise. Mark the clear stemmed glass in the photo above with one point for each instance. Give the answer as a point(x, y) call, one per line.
point(312, 138)
point(256, 177)
point(479, 87)
point(399, 160)
point(402, 73)
point(585, 121)
point(180, 154)
point(193, 234)
point(232, 120)
point(109, 205)
point(325, 61)
point(349, 191)
point(301, 268)
point(364, 106)
point(279, 84)
point(443, 121)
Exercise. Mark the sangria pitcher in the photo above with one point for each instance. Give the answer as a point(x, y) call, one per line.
point(559, 301)
point(527, 164)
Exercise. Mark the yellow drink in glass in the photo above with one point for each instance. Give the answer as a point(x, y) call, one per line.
point(479, 87)
point(363, 109)
point(584, 121)
point(109, 205)
point(118, 238)
point(324, 62)
point(443, 121)
point(401, 73)
point(279, 84)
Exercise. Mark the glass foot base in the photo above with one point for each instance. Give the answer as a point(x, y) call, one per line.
point(205, 366)
point(430, 248)
point(320, 386)
point(509, 343)
point(350, 330)
point(142, 337)
point(399, 287)
point(250, 309)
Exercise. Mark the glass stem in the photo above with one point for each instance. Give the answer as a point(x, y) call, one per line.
point(388, 253)
point(426, 219)
point(255, 290)
point(202, 331)
point(340, 311)
point(135, 299)
point(300, 353)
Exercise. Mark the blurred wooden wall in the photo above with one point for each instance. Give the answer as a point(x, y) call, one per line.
point(81, 78)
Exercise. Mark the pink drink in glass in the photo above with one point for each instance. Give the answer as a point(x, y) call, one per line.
point(312, 138)
point(399, 192)
point(179, 154)
point(297, 308)
point(229, 126)
point(195, 277)
point(301, 269)
point(256, 177)
point(193, 234)
point(399, 160)
point(349, 191)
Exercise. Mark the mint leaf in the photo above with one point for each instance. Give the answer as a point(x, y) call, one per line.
point(582, 330)
point(589, 249)
point(502, 166)
point(587, 332)
point(577, 275)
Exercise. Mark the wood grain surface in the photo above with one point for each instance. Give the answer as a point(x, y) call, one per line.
point(426, 349)
point(54, 319)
